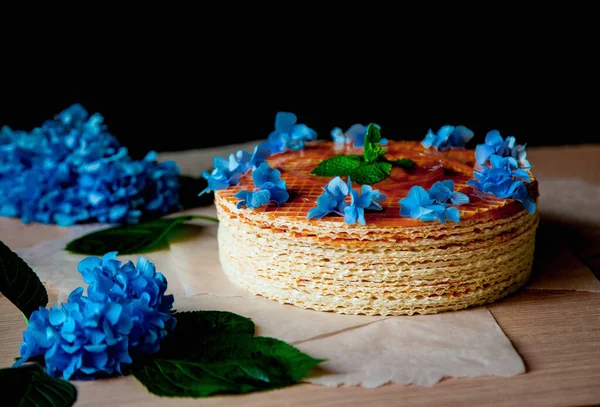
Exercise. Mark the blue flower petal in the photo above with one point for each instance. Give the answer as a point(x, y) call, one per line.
point(493, 138)
point(350, 215)
point(284, 121)
point(458, 198)
point(453, 214)
point(338, 136)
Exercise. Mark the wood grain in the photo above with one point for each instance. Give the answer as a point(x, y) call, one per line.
point(556, 333)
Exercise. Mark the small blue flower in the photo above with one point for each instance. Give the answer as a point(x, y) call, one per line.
point(270, 188)
point(448, 137)
point(333, 200)
point(124, 315)
point(288, 134)
point(496, 145)
point(521, 195)
point(419, 205)
point(376, 197)
point(264, 173)
point(355, 134)
point(433, 204)
point(253, 199)
point(504, 179)
point(443, 191)
point(227, 172)
point(355, 212)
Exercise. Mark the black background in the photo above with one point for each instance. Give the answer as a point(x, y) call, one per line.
point(155, 95)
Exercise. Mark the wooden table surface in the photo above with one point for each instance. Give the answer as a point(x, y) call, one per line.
point(557, 333)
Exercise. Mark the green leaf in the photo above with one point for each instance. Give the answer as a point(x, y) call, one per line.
point(196, 328)
point(406, 163)
point(340, 165)
point(370, 174)
point(372, 150)
point(30, 386)
point(19, 283)
point(129, 239)
point(214, 352)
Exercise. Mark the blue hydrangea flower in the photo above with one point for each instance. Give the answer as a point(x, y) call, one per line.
point(419, 205)
point(496, 145)
point(504, 179)
point(71, 170)
point(125, 314)
point(270, 188)
point(253, 199)
point(288, 134)
point(368, 199)
point(448, 137)
point(264, 173)
point(355, 134)
point(433, 204)
point(521, 195)
point(333, 200)
point(228, 172)
point(443, 191)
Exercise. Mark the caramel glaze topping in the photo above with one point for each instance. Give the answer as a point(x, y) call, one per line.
point(430, 166)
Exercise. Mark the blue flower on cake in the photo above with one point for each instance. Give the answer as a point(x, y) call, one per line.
point(125, 314)
point(496, 145)
point(270, 188)
point(504, 179)
point(288, 134)
point(433, 204)
point(227, 172)
point(355, 134)
point(72, 170)
point(447, 137)
point(333, 200)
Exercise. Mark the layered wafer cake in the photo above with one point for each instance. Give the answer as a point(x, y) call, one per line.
point(393, 264)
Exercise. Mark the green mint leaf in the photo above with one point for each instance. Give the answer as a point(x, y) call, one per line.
point(30, 386)
point(214, 352)
point(372, 150)
point(19, 283)
point(406, 163)
point(340, 165)
point(130, 239)
point(370, 174)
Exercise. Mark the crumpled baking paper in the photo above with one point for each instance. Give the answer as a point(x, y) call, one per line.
point(418, 349)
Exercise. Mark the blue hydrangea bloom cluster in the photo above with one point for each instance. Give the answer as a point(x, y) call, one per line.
point(288, 135)
point(125, 314)
point(448, 137)
point(433, 204)
point(496, 145)
point(504, 179)
point(355, 134)
point(71, 170)
point(270, 188)
point(333, 200)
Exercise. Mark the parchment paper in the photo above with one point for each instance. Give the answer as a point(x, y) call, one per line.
point(419, 349)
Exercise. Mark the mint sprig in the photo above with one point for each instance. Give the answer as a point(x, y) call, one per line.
point(368, 169)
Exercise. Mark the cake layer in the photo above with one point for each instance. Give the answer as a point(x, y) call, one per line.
point(374, 277)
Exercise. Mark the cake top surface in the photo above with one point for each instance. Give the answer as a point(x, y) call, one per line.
point(430, 166)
